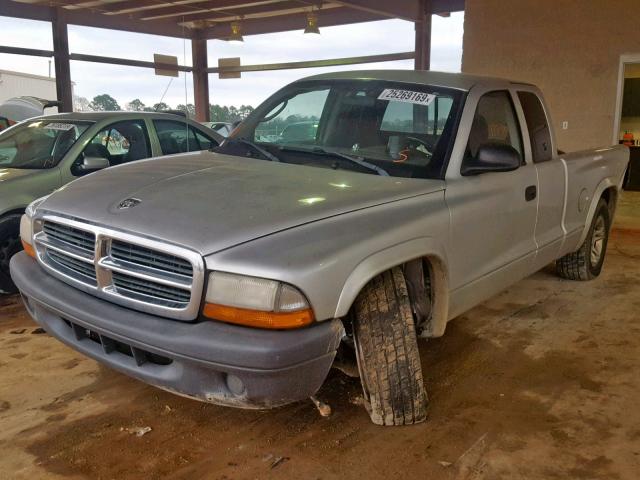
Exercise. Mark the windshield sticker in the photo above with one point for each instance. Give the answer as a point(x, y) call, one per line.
point(407, 96)
point(59, 126)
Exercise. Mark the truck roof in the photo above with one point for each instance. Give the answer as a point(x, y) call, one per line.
point(460, 81)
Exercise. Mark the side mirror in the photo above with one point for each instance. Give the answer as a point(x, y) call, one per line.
point(492, 157)
point(90, 164)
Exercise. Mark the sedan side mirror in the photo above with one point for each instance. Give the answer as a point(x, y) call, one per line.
point(90, 164)
point(492, 157)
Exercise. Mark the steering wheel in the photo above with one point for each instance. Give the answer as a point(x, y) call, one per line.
point(422, 142)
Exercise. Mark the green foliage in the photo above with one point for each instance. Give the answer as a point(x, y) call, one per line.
point(229, 114)
point(189, 109)
point(104, 103)
point(218, 113)
point(136, 105)
point(160, 107)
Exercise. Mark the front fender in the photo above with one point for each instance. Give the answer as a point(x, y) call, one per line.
point(422, 247)
point(330, 260)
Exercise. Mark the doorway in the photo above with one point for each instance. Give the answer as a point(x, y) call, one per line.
point(627, 119)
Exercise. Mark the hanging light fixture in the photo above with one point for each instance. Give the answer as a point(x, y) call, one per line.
point(236, 32)
point(312, 23)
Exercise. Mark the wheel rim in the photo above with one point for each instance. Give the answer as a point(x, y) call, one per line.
point(597, 240)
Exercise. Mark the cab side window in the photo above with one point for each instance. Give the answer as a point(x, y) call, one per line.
point(180, 137)
point(495, 122)
point(205, 142)
point(539, 132)
point(120, 142)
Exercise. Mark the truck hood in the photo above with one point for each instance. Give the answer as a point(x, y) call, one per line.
point(209, 202)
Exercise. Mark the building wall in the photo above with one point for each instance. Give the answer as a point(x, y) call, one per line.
point(569, 48)
point(17, 84)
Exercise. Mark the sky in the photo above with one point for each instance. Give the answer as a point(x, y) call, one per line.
point(127, 83)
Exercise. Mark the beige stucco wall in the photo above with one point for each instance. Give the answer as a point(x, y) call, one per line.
point(569, 48)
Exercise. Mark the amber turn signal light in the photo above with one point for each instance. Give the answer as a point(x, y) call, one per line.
point(257, 318)
point(28, 249)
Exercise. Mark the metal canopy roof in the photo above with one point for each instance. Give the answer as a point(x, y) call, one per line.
point(212, 18)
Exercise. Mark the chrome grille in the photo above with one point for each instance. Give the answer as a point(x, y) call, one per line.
point(74, 237)
point(84, 271)
point(146, 257)
point(136, 287)
point(126, 269)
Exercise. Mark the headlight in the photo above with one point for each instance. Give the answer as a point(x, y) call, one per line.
point(255, 302)
point(26, 226)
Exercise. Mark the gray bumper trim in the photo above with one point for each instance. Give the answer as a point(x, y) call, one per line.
point(273, 367)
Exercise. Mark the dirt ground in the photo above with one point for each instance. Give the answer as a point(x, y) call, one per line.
point(540, 382)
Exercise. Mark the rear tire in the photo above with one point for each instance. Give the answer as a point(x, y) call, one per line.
point(387, 352)
point(586, 262)
point(9, 246)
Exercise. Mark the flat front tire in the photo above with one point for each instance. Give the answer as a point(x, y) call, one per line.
point(586, 262)
point(387, 352)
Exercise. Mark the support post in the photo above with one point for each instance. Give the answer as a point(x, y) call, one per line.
point(200, 79)
point(64, 89)
point(422, 59)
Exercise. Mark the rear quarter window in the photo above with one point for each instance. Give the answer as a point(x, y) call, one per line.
point(538, 126)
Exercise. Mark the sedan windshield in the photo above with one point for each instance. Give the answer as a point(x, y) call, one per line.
point(369, 126)
point(38, 144)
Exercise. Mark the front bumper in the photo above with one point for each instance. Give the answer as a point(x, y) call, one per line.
point(210, 361)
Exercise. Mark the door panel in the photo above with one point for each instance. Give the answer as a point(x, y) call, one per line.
point(549, 226)
point(492, 224)
point(551, 180)
point(493, 215)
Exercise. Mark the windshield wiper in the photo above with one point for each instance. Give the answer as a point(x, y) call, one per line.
point(351, 158)
point(265, 153)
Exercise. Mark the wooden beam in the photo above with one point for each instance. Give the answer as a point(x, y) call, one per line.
point(83, 57)
point(135, 7)
point(32, 52)
point(200, 79)
point(219, 14)
point(447, 6)
point(64, 89)
point(422, 59)
point(106, 7)
point(402, 9)
point(74, 5)
point(91, 18)
point(329, 62)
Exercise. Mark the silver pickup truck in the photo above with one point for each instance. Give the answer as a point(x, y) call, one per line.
point(238, 276)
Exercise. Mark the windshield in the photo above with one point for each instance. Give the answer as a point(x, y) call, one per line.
point(38, 144)
point(370, 126)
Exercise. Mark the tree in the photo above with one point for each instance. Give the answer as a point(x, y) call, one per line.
point(80, 104)
point(135, 105)
point(160, 106)
point(104, 103)
point(244, 111)
point(189, 109)
point(220, 113)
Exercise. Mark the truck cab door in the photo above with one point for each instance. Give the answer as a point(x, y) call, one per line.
point(551, 174)
point(493, 215)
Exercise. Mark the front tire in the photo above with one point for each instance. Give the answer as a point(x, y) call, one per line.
point(387, 352)
point(586, 262)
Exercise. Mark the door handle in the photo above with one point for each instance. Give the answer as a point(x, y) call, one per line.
point(530, 193)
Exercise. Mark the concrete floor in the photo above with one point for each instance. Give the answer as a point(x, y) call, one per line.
point(540, 382)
